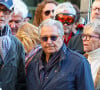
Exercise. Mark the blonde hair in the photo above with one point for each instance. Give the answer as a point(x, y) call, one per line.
point(28, 35)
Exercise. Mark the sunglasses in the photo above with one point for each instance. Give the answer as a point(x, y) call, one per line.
point(47, 12)
point(45, 38)
point(65, 18)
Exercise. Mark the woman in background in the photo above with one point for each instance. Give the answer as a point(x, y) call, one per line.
point(28, 35)
point(91, 42)
point(44, 11)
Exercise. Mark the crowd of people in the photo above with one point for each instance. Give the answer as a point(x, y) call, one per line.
point(56, 52)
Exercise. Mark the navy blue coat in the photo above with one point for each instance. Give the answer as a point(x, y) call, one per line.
point(72, 73)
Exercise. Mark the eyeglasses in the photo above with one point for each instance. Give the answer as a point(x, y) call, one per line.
point(47, 12)
point(5, 11)
point(95, 8)
point(45, 38)
point(65, 18)
point(88, 37)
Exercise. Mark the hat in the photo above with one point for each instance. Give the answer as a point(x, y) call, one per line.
point(7, 3)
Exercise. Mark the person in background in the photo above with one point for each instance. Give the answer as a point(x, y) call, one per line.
point(12, 55)
point(66, 14)
point(20, 13)
point(29, 37)
point(44, 10)
point(91, 43)
point(76, 42)
point(55, 67)
point(95, 11)
point(79, 24)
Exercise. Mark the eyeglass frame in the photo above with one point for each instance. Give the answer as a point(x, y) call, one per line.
point(95, 8)
point(41, 37)
point(49, 12)
point(88, 37)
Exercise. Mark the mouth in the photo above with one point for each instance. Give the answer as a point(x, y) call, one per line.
point(1, 21)
point(85, 44)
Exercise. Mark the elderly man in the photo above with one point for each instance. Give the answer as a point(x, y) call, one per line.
point(66, 14)
point(20, 13)
point(76, 43)
point(12, 72)
point(55, 67)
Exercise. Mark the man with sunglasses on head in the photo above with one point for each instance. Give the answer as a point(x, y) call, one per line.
point(12, 67)
point(66, 14)
point(55, 67)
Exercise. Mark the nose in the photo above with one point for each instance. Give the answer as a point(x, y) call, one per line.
point(97, 11)
point(51, 14)
point(49, 40)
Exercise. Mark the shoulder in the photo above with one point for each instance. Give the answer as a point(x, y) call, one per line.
point(36, 57)
point(75, 57)
point(75, 38)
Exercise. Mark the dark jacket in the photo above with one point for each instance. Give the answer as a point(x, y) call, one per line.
point(71, 72)
point(76, 44)
point(12, 71)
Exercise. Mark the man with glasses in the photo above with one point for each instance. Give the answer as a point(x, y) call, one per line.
point(66, 14)
point(55, 67)
point(12, 72)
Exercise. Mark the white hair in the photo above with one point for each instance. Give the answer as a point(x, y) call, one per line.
point(20, 7)
point(65, 6)
point(51, 22)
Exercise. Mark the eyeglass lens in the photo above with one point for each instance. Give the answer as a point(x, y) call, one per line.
point(87, 37)
point(48, 12)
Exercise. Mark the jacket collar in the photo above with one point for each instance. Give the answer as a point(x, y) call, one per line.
point(5, 31)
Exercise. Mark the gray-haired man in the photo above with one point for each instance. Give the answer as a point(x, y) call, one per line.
point(55, 67)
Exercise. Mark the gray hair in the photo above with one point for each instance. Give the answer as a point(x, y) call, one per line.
point(65, 6)
point(20, 7)
point(51, 22)
point(94, 26)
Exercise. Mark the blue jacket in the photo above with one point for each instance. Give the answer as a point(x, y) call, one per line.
point(72, 73)
point(12, 71)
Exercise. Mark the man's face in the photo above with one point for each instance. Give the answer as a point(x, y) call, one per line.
point(48, 11)
point(15, 22)
point(67, 28)
point(5, 16)
point(95, 13)
point(51, 41)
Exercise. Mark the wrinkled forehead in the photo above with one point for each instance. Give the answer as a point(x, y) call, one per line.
point(96, 4)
